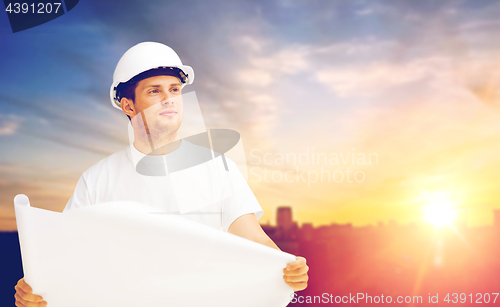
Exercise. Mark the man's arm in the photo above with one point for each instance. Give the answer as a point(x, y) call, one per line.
point(247, 226)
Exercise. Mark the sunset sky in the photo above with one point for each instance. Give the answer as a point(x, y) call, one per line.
point(410, 89)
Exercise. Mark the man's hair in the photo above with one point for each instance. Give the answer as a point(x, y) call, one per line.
point(127, 89)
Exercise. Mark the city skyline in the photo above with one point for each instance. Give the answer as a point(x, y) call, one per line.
point(292, 223)
point(393, 260)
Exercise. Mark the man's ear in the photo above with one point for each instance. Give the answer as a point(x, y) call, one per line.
point(128, 106)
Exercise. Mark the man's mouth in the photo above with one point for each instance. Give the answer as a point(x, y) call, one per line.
point(168, 113)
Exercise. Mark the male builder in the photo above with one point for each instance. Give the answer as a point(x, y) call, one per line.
point(147, 87)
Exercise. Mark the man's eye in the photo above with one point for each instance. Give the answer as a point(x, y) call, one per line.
point(175, 89)
point(154, 91)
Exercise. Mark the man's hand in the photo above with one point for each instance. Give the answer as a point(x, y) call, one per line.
point(296, 274)
point(25, 297)
point(248, 227)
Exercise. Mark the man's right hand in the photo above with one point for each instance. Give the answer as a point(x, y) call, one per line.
point(25, 297)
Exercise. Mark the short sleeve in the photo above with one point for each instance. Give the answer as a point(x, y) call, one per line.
point(80, 197)
point(240, 199)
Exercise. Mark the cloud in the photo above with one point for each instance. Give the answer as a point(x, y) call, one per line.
point(365, 11)
point(9, 124)
point(481, 76)
point(288, 60)
point(263, 68)
point(255, 77)
point(249, 43)
point(479, 25)
point(377, 77)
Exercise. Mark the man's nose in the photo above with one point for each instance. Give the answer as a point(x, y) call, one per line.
point(168, 98)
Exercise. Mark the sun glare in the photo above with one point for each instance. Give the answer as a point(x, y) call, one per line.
point(439, 212)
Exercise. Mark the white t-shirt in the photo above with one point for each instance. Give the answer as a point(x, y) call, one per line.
point(176, 183)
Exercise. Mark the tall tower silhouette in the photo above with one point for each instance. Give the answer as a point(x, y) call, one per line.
point(286, 231)
point(284, 218)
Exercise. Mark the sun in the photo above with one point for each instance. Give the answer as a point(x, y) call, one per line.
point(439, 212)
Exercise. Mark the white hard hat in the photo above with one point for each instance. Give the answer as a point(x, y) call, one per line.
point(143, 57)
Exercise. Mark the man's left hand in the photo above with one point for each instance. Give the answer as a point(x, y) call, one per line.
point(295, 274)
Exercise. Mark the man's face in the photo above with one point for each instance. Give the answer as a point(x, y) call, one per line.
point(160, 102)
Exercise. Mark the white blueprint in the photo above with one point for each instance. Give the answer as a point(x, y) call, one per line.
point(120, 254)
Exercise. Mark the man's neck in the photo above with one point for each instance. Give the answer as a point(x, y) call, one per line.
point(158, 147)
